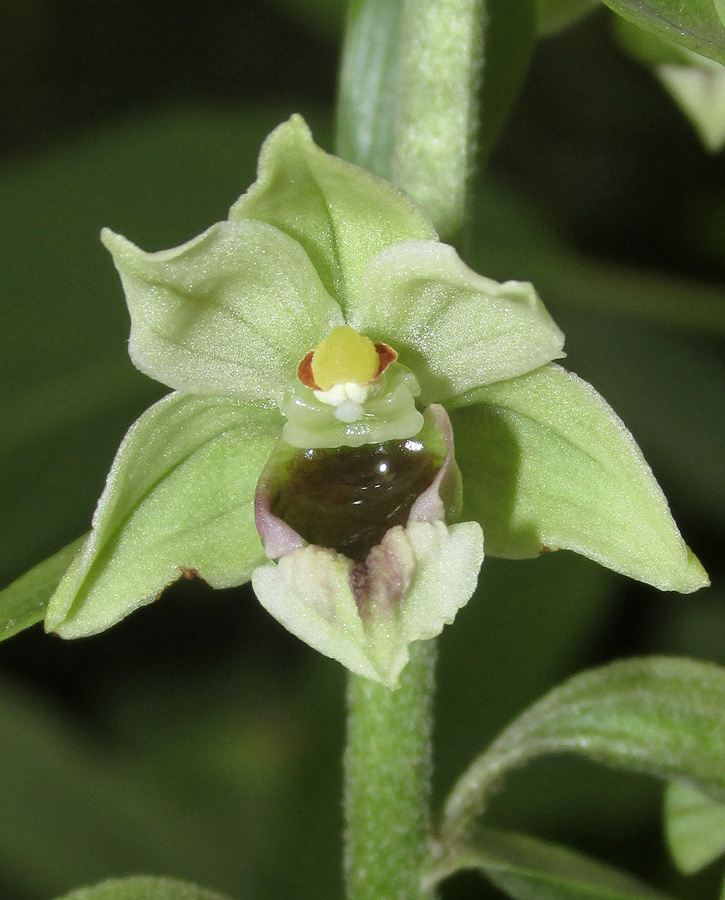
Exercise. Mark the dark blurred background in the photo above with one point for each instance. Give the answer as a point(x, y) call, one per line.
point(198, 739)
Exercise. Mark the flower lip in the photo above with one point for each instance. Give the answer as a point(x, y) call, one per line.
point(348, 498)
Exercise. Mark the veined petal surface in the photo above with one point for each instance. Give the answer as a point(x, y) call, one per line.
point(547, 464)
point(455, 329)
point(341, 214)
point(179, 500)
point(230, 312)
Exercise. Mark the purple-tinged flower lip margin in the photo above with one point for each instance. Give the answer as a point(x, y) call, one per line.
point(280, 539)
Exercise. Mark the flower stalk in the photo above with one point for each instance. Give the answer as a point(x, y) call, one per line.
point(387, 782)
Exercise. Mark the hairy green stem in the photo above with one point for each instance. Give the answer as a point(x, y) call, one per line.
point(407, 104)
point(387, 782)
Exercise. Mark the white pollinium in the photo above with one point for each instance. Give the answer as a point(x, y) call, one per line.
point(347, 398)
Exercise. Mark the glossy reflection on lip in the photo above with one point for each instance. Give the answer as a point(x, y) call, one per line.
point(347, 498)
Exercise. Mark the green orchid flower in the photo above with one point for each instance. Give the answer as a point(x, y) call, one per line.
point(325, 350)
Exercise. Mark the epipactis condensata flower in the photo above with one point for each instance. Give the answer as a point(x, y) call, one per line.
point(324, 349)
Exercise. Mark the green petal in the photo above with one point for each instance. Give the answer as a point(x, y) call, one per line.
point(178, 501)
point(311, 593)
point(341, 214)
point(455, 329)
point(546, 463)
point(232, 311)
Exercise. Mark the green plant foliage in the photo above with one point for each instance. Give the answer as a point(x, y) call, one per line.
point(526, 868)
point(554, 15)
point(142, 888)
point(694, 827)
point(695, 24)
point(696, 83)
point(660, 716)
point(23, 603)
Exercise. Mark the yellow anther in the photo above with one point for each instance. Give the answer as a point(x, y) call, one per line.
point(344, 356)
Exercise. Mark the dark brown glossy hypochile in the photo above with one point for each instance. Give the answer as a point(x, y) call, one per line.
point(348, 497)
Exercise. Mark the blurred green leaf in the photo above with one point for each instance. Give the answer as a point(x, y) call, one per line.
point(695, 24)
point(660, 716)
point(143, 888)
point(23, 603)
point(546, 463)
point(526, 868)
point(554, 15)
point(509, 31)
point(696, 83)
point(694, 827)
point(76, 809)
point(570, 279)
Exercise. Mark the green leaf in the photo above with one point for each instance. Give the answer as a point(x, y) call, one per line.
point(23, 602)
point(554, 15)
point(696, 83)
point(526, 868)
point(341, 214)
point(143, 888)
point(105, 809)
point(659, 716)
point(571, 280)
point(546, 463)
point(232, 311)
point(694, 827)
point(455, 329)
point(179, 500)
point(696, 24)
point(509, 32)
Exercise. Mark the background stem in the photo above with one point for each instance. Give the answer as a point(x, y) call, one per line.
point(407, 103)
point(387, 782)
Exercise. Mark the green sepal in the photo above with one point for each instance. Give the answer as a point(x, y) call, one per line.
point(142, 888)
point(527, 868)
point(341, 214)
point(455, 329)
point(547, 464)
point(232, 311)
point(660, 716)
point(178, 501)
point(694, 827)
point(361, 618)
point(23, 603)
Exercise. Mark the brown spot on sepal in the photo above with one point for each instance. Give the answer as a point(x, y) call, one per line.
point(386, 357)
point(188, 573)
